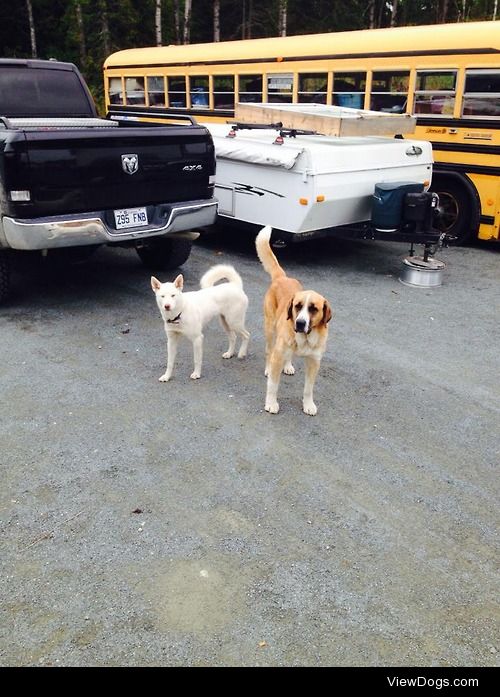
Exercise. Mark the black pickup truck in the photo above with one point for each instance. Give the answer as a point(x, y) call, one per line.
point(69, 179)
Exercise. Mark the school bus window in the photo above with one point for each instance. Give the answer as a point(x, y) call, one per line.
point(280, 87)
point(250, 88)
point(389, 91)
point(223, 92)
point(435, 92)
point(198, 87)
point(349, 89)
point(482, 93)
point(134, 90)
point(156, 90)
point(312, 87)
point(176, 92)
point(115, 90)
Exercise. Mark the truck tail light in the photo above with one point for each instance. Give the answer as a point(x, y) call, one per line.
point(20, 196)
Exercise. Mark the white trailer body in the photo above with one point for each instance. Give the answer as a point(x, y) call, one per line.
point(310, 182)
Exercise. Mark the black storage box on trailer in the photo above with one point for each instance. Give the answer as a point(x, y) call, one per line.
point(387, 203)
point(416, 206)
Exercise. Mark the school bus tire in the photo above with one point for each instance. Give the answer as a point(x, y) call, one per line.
point(458, 211)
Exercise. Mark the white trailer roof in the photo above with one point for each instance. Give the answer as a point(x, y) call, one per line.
point(317, 153)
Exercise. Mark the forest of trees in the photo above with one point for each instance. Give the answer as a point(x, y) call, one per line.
point(86, 31)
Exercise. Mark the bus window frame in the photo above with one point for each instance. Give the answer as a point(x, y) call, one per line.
point(263, 91)
point(213, 91)
point(268, 76)
point(352, 93)
point(391, 71)
point(454, 94)
point(127, 92)
point(122, 89)
point(177, 76)
point(192, 77)
point(304, 73)
point(487, 95)
point(147, 78)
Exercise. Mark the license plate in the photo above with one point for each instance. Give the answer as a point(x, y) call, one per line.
point(130, 217)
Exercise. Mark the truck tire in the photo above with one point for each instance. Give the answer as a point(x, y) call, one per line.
point(67, 256)
point(455, 215)
point(4, 276)
point(164, 254)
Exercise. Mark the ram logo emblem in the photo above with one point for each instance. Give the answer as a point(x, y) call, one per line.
point(130, 163)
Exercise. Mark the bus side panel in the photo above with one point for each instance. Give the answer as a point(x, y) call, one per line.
point(489, 228)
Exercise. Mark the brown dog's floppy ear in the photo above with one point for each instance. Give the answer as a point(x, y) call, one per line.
point(327, 313)
point(289, 314)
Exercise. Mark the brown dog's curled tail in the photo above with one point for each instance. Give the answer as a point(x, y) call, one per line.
point(266, 255)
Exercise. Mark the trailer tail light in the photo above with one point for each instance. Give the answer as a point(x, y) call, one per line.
point(320, 198)
point(20, 196)
point(303, 201)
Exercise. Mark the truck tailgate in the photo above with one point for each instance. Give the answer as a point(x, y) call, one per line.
point(85, 170)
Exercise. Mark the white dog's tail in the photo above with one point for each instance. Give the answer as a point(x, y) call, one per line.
point(266, 255)
point(218, 273)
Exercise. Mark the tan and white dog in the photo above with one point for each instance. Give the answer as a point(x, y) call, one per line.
point(185, 314)
point(295, 322)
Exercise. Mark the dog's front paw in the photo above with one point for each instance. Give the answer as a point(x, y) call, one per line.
point(289, 369)
point(310, 408)
point(227, 354)
point(164, 378)
point(272, 407)
point(195, 376)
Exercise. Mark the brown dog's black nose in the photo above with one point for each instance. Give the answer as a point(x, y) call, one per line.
point(300, 326)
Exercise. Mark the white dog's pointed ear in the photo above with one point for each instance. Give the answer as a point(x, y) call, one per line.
point(179, 282)
point(155, 284)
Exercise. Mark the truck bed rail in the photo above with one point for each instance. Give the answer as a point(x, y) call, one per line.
point(162, 114)
point(62, 123)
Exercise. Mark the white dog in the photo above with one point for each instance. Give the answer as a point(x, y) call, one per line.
point(185, 314)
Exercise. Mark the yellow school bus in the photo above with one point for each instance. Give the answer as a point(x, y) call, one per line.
point(447, 75)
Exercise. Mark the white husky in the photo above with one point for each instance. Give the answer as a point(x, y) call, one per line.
point(185, 314)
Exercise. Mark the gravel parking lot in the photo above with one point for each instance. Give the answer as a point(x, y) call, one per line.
point(148, 523)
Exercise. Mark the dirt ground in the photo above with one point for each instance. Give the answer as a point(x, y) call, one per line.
point(179, 524)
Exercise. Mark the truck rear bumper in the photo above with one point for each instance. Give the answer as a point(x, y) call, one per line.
point(92, 228)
